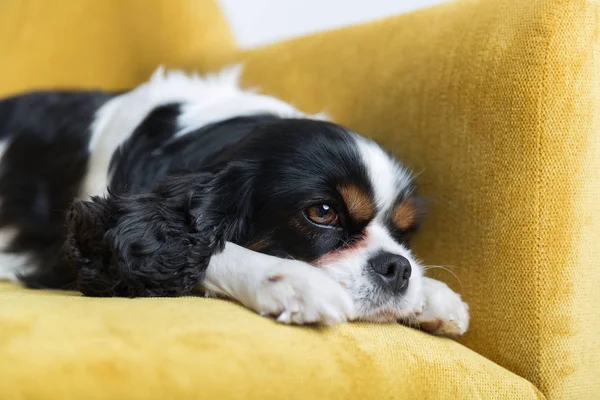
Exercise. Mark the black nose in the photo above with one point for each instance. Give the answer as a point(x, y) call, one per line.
point(392, 271)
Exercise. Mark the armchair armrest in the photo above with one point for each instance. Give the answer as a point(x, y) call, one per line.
point(102, 44)
point(496, 105)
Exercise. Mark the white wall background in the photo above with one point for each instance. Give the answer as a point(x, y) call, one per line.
point(258, 22)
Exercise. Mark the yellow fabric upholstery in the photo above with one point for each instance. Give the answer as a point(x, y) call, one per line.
point(62, 346)
point(496, 103)
point(112, 44)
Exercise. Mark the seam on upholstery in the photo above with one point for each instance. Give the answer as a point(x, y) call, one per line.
point(554, 13)
point(542, 92)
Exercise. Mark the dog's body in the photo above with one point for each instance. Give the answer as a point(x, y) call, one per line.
point(200, 186)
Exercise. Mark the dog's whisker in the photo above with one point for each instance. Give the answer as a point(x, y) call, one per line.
point(444, 268)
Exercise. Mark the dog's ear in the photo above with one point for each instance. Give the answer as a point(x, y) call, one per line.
point(158, 243)
point(87, 222)
point(225, 205)
point(86, 247)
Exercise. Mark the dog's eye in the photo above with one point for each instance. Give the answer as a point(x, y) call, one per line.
point(322, 214)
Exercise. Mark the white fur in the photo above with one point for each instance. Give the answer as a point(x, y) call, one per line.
point(295, 292)
point(442, 310)
point(225, 99)
point(351, 268)
point(371, 302)
point(303, 294)
point(387, 177)
point(292, 291)
point(426, 302)
point(11, 264)
point(207, 99)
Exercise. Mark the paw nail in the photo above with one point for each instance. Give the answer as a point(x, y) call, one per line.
point(284, 317)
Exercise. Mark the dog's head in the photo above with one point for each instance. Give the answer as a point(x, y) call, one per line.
point(293, 188)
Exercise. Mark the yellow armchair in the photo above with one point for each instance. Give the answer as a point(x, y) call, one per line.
point(495, 103)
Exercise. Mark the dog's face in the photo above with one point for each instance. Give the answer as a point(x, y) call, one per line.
point(319, 193)
point(292, 188)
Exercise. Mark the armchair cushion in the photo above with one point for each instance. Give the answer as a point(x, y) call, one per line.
point(496, 106)
point(59, 345)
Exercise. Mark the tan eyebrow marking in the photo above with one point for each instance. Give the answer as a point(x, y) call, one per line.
point(405, 215)
point(359, 204)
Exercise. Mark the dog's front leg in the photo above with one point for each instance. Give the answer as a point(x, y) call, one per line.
point(292, 291)
point(442, 311)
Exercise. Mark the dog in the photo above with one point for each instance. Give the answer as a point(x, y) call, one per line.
point(190, 184)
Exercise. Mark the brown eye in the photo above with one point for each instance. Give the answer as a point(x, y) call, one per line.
point(322, 214)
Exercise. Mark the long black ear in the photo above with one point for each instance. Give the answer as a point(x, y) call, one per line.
point(153, 244)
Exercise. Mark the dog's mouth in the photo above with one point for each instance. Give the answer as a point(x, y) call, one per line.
point(384, 315)
point(383, 307)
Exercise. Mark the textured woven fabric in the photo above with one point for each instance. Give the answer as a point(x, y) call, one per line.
point(62, 346)
point(496, 105)
point(113, 44)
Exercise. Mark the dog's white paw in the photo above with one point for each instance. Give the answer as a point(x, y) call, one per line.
point(442, 311)
point(298, 293)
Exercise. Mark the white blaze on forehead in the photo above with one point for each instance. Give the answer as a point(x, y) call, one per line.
point(387, 177)
point(380, 239)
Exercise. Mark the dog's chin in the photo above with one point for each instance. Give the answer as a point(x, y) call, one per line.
point(385, 308)
point(385, 314)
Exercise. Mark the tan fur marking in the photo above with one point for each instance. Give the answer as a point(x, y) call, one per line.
point(359, 203)
point(405, 215)
point(430, 326)
point(275, 278)
point(259, 244)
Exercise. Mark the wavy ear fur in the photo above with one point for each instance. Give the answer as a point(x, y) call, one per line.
point(158, 243)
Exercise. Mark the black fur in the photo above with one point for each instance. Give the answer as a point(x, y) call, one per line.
point(42, 171)
point(146, 244)
point(173, 201)
point(159, 243)
point(152, 152)
point(42, 167)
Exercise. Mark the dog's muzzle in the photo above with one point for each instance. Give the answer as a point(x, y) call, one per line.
point(391, 272)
